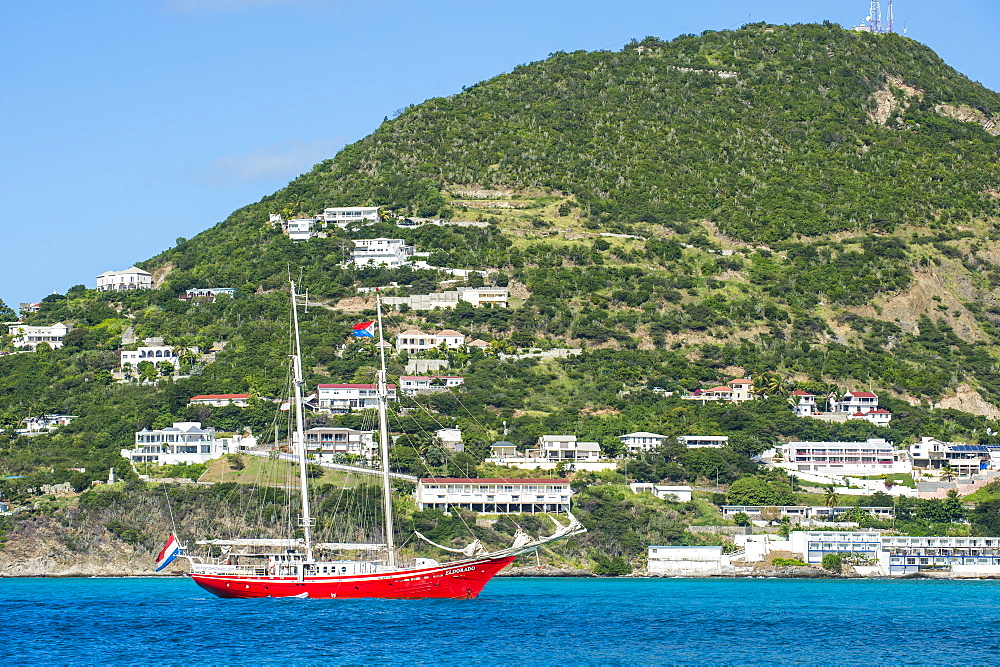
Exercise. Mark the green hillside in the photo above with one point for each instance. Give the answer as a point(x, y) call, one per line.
point(803, 203)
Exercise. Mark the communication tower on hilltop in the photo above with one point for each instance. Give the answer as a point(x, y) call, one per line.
point(874, 18)
point(888, 17)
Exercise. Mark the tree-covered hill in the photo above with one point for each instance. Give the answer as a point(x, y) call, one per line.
point(800, 201)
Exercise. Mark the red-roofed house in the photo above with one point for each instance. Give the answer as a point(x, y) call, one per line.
point(805, 403)
point(341, 398)
point(855, 401)
point(735, 390)
point(220, 400)
point(495, 496)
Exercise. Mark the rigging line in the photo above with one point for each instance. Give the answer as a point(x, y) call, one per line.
point(170, 509)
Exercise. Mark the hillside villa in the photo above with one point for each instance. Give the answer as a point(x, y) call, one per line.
point(343, 398)
point(221, 400)
point(183, 442)
point(392, 253)
point(27, 336)
point(735, 391)
point(132, 278)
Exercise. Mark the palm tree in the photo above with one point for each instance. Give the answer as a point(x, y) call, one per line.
point(831, 498)
point(947, 472)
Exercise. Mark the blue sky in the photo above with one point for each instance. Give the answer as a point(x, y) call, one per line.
point(130, 124)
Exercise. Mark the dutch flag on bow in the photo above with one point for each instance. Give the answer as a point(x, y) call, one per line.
point(169, 553)
point(365, 329)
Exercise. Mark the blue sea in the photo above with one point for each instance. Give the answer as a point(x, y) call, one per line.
point(514, 622)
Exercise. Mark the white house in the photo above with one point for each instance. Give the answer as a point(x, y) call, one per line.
point(856, 401)
point(154, 354)
point(495, 496)
point(392, 253)
point(45, 423)
point(30, 336)
point(642, 441)
point(700, 560)
point(696, 441)
point(208, 293)
point(805, 403)
point(132, 278)
point(451, 439)
point(665, 492)
point(341, 398)
point(875, 456)
point(477, 296)
point(417, 384)
point(414, 340)
point(963, 459)
point(301, 229)
point(329, 443)
point(735, 390)
point(184, 442)
point(566, 448)
point(341, 216)
point(221, 400)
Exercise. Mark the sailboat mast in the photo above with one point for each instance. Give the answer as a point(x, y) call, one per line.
point(383, 437)
point(300, 441)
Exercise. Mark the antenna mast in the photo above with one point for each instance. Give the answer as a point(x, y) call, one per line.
point(875, 16)
point(888, 17)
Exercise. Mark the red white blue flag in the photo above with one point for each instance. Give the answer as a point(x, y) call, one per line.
point(169, 553)
point(365, 329)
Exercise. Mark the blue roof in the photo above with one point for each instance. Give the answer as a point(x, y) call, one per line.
point(969, 448)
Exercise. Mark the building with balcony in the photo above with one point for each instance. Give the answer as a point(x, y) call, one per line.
point(681, 494)
point(565, 448)
point(27, 336)
point(495, 496)
point(153, 354)
point(962, 459)
point(184, 442)
point(392, 253)
point(415, 341)
point(735, 391)
point(341, 216)
point(428, 384)
point(343, 398)
point(301, 229)
point(803, 513)
point(856, 401)
point(696, 441)
point(209, 294)
point(221, 400)
point(332, 443)
point(875, 456)
point(641, 441)
point(132, 278)
point(804, 403)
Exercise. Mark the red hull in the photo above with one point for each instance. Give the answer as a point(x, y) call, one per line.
point(462, 580)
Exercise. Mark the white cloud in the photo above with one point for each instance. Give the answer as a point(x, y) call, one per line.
point(281, 161)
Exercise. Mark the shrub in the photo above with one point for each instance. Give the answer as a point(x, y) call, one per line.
point(833, 562)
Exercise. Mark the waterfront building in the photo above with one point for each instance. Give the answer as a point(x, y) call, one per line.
point(699, 560)
point(495, 496)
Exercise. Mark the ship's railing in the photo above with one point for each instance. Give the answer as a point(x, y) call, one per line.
point(221, 568)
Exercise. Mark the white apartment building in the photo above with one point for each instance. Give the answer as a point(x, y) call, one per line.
point(414, 340)
point(328, 443)
point(803, 513)
point(221, 400)
point(301, 229)
point(341, 216)
point(565, 448)
point(417, 384)
point(392, 253)
point(642, 441)
point(30, 336)
point(875, 456)
point(342, 398)
point(132, 278)
point(696, 441)
point(477, 296)
point(495, 496)
point(184, 442)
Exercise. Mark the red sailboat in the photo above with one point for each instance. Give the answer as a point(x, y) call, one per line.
point(262, 567)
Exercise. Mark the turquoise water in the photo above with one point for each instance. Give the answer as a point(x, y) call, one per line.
point(514, 622)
